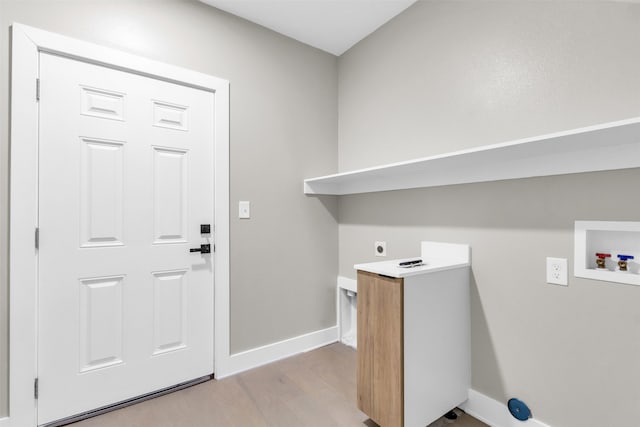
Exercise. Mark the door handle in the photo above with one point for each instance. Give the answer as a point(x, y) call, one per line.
point(205, 249)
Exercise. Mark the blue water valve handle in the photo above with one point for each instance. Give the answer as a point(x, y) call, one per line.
point(622, 263)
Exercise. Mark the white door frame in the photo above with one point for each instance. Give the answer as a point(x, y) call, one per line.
point(27, 43)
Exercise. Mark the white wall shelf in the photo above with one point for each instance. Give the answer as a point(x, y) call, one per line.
point(608, 146)
point(613, 237)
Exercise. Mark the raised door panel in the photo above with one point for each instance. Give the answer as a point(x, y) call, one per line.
point(169, 311)
point(101, 193)
point(380, 344)
point(101, 323)
point(170, 116)
point(102, 103)
point(170, 195)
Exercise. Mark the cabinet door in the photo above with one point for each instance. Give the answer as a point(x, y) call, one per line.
point(380, 356)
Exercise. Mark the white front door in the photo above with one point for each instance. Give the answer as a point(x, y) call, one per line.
point(126, 181)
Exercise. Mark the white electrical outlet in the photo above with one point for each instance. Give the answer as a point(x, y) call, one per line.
point(557, 271)
point(380, 248)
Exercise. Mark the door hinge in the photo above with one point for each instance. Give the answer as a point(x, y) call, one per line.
point(37, 89)
point(37, 238)
point(35, 388)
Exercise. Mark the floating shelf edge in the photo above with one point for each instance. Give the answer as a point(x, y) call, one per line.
point(573, 151)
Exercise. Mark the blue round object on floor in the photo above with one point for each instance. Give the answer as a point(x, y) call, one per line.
point(519, 409)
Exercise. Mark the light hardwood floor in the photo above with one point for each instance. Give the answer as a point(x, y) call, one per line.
point(317, 388)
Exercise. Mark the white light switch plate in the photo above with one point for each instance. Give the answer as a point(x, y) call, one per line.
point(244, 209)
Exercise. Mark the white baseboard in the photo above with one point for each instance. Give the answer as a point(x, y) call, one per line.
point(4, 421)
point(494, 413)
point(271, 352)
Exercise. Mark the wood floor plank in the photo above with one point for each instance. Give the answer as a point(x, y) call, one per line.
point(313, 389)
point(337, 410)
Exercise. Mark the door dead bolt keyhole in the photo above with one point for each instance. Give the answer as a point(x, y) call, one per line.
point(205, 228)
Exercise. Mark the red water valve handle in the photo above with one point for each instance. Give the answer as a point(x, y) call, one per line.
point(600, 262)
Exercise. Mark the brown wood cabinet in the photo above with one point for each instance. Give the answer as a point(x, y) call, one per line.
point(413, 331)
point(380, 369)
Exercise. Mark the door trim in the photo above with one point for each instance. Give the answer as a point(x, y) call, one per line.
point(27, 43)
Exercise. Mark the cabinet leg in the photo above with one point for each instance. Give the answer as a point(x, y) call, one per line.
point(451, 416)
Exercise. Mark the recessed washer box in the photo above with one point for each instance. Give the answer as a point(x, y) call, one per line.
point(610, 237)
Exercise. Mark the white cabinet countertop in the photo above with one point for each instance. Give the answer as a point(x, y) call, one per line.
point(391, 268)
point(435, 256)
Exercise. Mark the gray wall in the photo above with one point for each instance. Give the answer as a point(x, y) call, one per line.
point(446, 75)
point(449, 75)
point(283, 128)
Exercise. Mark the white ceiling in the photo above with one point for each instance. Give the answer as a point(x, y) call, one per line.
point(331, 25)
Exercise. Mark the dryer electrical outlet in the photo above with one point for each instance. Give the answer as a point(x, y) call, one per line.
point(380, 248)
